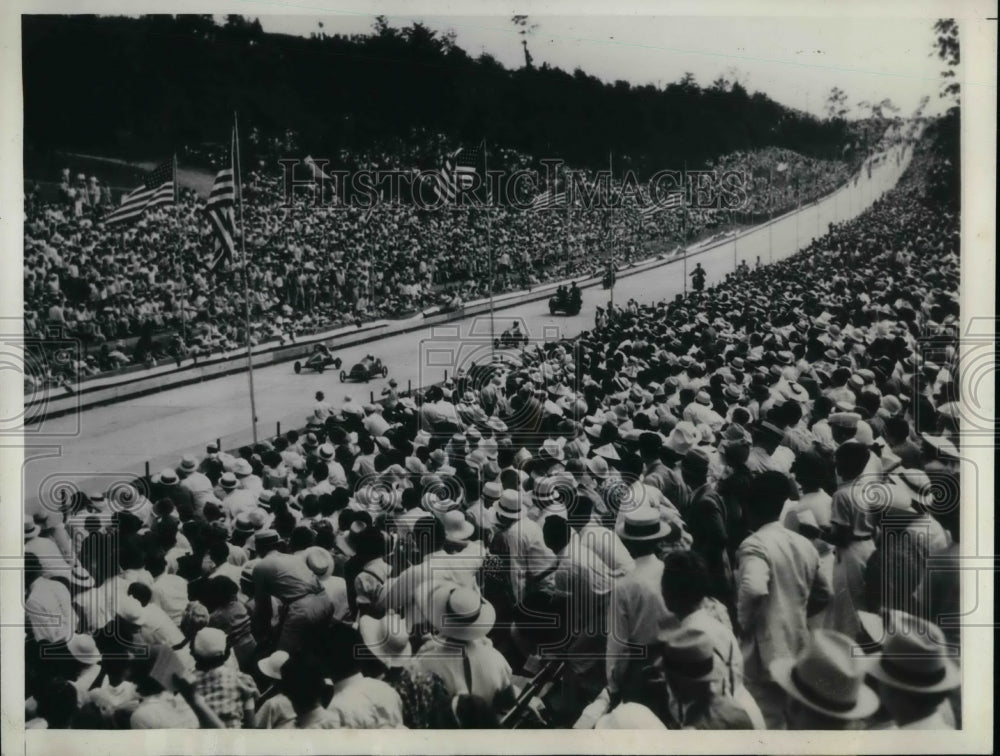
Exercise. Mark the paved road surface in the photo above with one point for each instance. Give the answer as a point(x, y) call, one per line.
point(107, 444)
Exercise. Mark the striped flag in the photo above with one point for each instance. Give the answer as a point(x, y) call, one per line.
point(672, 200)
point(220, 211)
point(159, 188)
point(548, 200)
point(459, 171)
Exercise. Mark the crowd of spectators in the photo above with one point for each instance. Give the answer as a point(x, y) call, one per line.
point(699, 494)
point(137, 294)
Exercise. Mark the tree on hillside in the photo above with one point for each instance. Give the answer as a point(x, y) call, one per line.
point(836, 104)
point(524, 30)
point(947, 48)
point(177, 81)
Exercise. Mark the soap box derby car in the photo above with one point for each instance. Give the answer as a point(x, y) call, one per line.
point(369, 367)
point(319, 360)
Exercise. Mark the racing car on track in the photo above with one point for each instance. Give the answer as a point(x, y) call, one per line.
point(320, 359)
point(369, 367)
point(568, 301)
point(512, 338)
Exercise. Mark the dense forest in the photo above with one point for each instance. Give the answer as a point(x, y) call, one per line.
point(132, 87)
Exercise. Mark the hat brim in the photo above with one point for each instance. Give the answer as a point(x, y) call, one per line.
point(664, 532)
point(269, 669)
point(479, 629)
point(368, 631)
point(503, 513)
point(951, 680)
point(866, 705)
point(461, 535)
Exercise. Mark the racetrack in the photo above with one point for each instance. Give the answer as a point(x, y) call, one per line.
point(100, 446)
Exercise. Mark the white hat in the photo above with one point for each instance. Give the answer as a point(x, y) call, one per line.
point(271, 665)
point(827, 678)
point(130, 610)
point(643, 523)
point(387, 638)
point(168, 476)
point(914, 657)
point(509, 505)
point(31, 528)
point(457, 529)
point(630, 716)
point(917, 482)
point(209, 642)
point(461, 614)
point(84, 649)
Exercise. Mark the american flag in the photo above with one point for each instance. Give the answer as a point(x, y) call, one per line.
point(220, 211)
point(672, 200)
point(459, 170)
point(159, 188)
point(548, 200)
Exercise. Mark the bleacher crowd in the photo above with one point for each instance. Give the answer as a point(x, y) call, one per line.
point(138, 294)
point(690, 517)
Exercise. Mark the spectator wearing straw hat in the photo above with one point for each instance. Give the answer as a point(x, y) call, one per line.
point(521, 538)
point(916, 673)
point(637, 613)
point(194, 481)
point(358, 702)
point(275, 711)
point(50, 557)
point(853, 521)
point(824, 685)
point(425, 698)
point(48, 606)
point(695, 700)
point(459, 651)
point(168, 486)
point(305, 606)
point(685, 586)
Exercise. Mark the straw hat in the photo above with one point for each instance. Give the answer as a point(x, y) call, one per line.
point(462, 614)
point(689, 653)
point(827, 678)
point(642, 524)
point(271, 665)
point(457, 529)
point(913, 657)
point(387, 638)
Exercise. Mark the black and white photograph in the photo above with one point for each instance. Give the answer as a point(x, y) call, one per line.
point(545, 369)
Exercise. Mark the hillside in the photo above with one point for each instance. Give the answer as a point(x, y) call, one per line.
point(134, 87)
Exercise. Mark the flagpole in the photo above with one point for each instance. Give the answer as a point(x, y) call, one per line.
point(246, 274)
point(569, 211)
point(798, 207)
point(736, 241)
point(489, 247)
point(180, 269)
point(770, 219)
point(611, 243)
point(684, 226)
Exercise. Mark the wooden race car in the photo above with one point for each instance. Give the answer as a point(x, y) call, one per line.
point(369, 367)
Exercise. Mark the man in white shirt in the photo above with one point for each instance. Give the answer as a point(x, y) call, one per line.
point(359, 702)
point(779, 583)
point(197, 483)
point(48, 607)
point(637, 613)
